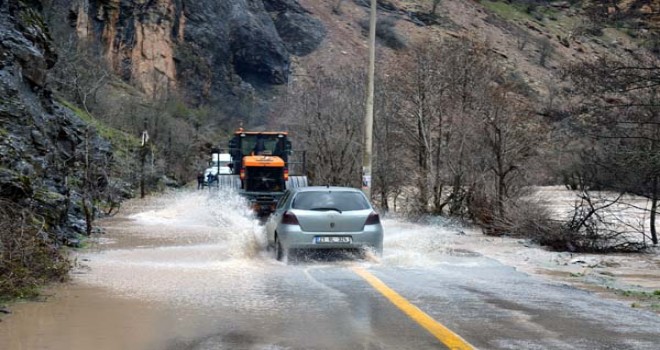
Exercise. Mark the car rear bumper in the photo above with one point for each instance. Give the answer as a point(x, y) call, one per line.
point(292, 237)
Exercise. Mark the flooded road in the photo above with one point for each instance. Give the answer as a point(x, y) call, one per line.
point(189, 270)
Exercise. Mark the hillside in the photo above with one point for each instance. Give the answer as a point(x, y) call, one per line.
point(556, 33)
point(240, 57)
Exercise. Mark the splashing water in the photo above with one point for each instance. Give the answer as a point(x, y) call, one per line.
point(219, 217)
point(408, 245)
point(186, 242)
point(223, 219)
point(242, 232)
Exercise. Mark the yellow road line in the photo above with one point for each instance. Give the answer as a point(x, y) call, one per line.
point(444, 334)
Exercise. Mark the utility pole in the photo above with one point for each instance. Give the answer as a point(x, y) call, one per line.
point(369, 115)
point(143, 158)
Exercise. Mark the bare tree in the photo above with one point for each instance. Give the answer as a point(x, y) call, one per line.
point(322, 115)
point(421, 87)
point(336, 7)
point(95, 168)
point(546, 50)
point(391, 168)
point(621, 113)
point(79, 74)
point(440, 89)
point(507, 132)
point(522, 39)
point(470, 72)
point(434, 6)
point(467, 130)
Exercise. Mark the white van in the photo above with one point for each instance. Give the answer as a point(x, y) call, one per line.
point(218, 165)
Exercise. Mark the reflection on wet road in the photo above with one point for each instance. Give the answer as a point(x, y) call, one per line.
point(190, 271)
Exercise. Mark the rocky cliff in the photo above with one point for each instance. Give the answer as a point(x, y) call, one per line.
point(207, 50)
point(217, 52)
point(39, 139)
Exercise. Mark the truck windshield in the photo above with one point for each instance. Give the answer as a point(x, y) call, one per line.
point(262, 145)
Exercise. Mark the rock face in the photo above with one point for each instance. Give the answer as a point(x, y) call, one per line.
point(137, 37)
point(38, 138)
point(207, 49)
point(300, 32)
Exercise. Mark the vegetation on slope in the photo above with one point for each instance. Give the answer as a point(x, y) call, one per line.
point(27, 260)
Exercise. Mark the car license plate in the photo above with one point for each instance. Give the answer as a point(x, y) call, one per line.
point(333, 239)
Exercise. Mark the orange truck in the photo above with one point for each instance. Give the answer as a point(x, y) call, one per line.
point(261, 168)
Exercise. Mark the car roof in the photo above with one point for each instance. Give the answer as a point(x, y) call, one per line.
point(326, 188)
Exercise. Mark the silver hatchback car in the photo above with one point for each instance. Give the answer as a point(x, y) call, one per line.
point(324, 218)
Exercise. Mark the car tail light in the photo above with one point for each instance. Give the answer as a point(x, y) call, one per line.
point(242, 173)
point(286, 174)
point(373, 219)
point(289, 219)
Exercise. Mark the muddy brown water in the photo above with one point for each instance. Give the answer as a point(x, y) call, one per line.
point(80, 317)
point(118, 295)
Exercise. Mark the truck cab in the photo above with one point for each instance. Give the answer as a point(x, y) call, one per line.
point(261, 162)
point(260, 159)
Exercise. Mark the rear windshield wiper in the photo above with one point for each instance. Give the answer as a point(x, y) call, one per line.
point(326, 209)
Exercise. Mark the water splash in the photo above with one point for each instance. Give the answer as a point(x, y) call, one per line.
point(241, 230)
point(220, 217)
point(409, 245)
point(199, 247)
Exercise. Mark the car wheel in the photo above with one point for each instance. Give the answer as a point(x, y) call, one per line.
point(279, 252)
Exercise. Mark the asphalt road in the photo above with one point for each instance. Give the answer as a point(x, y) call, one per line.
point(190, 272)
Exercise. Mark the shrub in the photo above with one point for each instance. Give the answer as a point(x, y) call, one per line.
point(589, 29)
point(386, 32)
point(593, 230)
point(523, 218)
point(28, 257)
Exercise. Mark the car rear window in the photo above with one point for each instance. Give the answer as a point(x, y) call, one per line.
point(329, 200)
